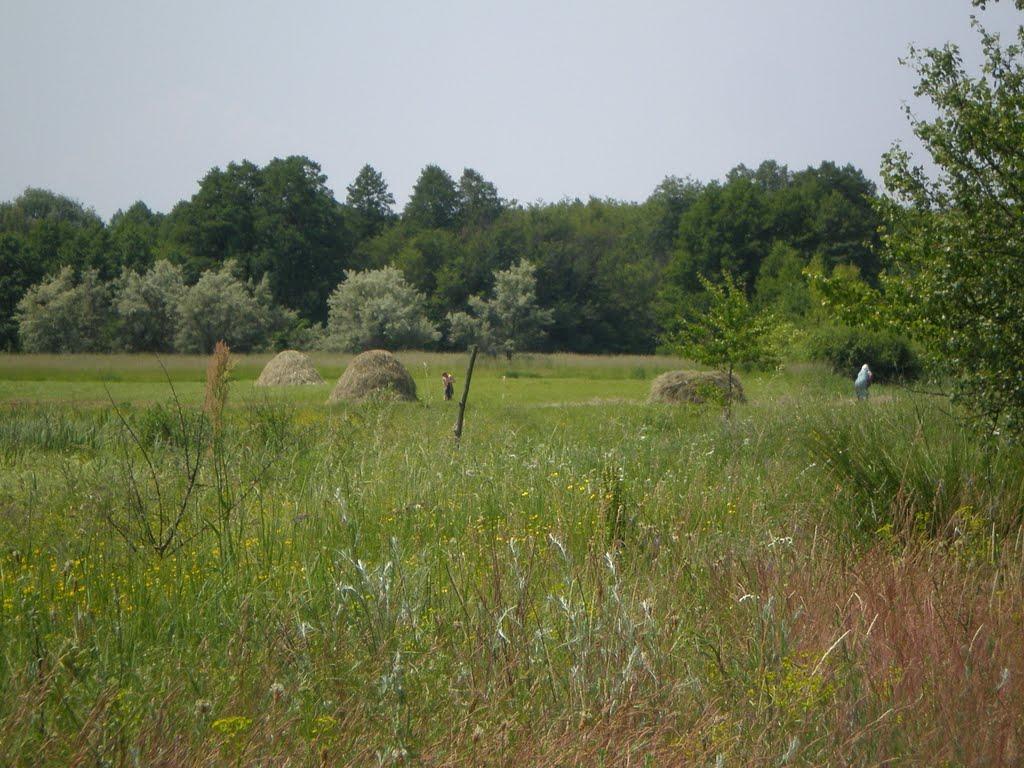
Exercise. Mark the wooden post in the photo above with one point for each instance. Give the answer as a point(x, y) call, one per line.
point(465, 394)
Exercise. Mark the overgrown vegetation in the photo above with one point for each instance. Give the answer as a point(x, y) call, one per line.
point(845, 349)
point(588, 578)
point(197, 572)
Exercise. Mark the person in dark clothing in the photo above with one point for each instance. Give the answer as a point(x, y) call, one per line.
point(449, 385)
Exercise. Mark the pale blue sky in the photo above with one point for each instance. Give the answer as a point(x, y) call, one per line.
point(113, 101)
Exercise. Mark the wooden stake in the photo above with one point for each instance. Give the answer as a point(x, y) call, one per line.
point(465, 393)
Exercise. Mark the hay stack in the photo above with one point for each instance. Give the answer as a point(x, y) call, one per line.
point(695, 387)
point(375, 375)
point(289, 368)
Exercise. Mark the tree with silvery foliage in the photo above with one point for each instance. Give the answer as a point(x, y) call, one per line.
point(66, 314)
point(147, 307)
point(377, 308)
point(223, 307)
point(510, 321)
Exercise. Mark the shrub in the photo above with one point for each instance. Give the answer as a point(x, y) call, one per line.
point(147, 307)
point(62, 314)
point(221, 307)
point(510, 321)
point(377, 308)
point(846, 349)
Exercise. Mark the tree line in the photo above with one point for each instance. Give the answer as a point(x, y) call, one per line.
point(274, 244)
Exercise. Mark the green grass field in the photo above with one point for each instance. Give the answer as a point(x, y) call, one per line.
point(588, 580)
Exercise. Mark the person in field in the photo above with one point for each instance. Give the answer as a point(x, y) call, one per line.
point(862, 382)
point(448, 381)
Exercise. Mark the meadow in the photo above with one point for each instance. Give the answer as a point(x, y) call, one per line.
point(586, 580)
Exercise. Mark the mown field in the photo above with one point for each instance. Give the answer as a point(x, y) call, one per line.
point(588, 580)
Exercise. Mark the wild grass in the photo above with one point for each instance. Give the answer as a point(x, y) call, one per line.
point(588, 580)
point(153, 369)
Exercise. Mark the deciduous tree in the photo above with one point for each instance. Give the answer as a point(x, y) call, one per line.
point(508, 322)
point(223, 307)
point(954, 239)
point(434, 203)
point(66, 314)
point(729, 334)
point(147, 307)
point(377, 308)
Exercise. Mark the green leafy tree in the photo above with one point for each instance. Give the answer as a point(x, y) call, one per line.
point(134, 237)
point(40, 232)
point(216, 225)
point(726, 228)
point(280, 221)
point(302, 245)
point(593, 272)
point(371, 201)
point(828, 211)
point(729, 334)
point(510, 321)
point(781, 285)
point(479, 204)
point(664, 208)
point(56, 231)
point(377, 308)
point(434, 203)
point(17, 275)
point(65, 314)
point(846, 297)
point(147, 307)
point(954, 240)
point(423, 259)
point(223, 307)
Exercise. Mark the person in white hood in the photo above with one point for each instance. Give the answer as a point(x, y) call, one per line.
point(862, 382)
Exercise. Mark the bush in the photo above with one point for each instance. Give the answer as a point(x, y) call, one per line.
point(65, 314)
point(510, 321)
point(222, 307)
point(147, 307)
point(377, 308)
point(846, 349)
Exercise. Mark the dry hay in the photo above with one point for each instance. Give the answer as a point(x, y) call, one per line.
point(376, 374)
point(695, 387)
point(289, 368)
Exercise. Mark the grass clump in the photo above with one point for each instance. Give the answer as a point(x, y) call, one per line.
point(914, 476)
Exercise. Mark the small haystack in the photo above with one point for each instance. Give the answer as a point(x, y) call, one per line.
point(289, 368)
point(374, 375)
point(695, 387)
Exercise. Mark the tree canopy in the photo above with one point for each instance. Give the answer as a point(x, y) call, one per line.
point(611, 275)
point(954, 240)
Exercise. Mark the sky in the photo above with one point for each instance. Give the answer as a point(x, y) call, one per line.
point(113, 101)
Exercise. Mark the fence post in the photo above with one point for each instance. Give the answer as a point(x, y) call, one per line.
point(465, 394)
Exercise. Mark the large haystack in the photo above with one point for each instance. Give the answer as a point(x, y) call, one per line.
point(695, 387)
point(289, 368)
point(374, 375)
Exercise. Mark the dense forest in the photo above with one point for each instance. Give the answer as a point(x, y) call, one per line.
point(610, 276)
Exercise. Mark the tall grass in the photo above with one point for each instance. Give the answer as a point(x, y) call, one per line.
point(903, 470)
point(610, 584)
